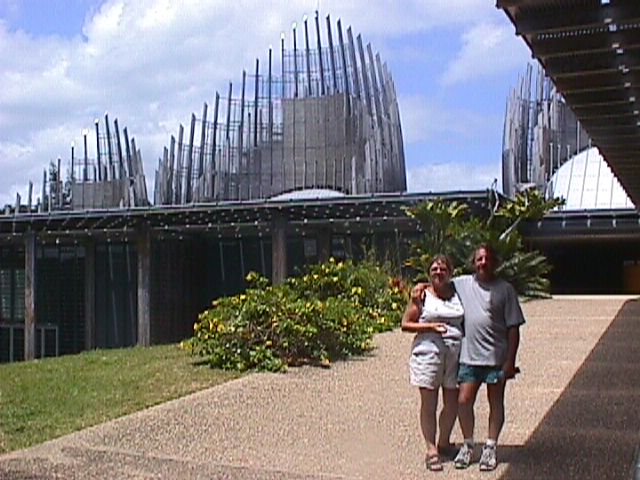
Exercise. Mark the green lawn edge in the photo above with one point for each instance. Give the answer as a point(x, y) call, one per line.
point(44, 399)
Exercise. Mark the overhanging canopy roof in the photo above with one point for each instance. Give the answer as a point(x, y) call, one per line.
point(353, 213)
point(591, 50)
point(584, 226)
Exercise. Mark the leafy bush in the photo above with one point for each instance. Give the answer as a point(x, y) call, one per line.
point(329, 312)
point(449, 228)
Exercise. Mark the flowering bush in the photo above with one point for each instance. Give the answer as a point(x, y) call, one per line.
point(330, 312)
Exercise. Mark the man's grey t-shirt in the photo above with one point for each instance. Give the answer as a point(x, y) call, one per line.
point(489, 310)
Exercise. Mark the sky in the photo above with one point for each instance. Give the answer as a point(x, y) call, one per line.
point(151, 63)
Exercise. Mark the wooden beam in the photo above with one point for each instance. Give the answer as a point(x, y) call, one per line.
point(519, 3)
point(603, 96)
point(29, 296)
point(630, 141)
point(144, 286)
point(596, 81)
point(591, 63)
point(618, 109)
point(630, 163)
point(188, 187)
point(622, 152)
point(323, 239)
point(89, 294)
point(612, 130)
point(629, 120)
point(577, 17)
point(279, 249)
point(546, 46)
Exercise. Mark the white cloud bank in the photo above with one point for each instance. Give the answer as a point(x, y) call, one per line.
point(151, 63)
point(488, 49)
point(453, 175)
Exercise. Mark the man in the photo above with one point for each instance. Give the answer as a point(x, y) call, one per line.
point(489, 347)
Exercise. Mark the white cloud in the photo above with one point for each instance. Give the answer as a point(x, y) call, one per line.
point(152, 63)
point(452, 175)
point(488, 49)
point(408, 16)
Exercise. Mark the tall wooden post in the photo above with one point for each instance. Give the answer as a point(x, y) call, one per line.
point(188, 187)
point(89, 294)
point(279, 249)
point(323, 240)
point(30, 296)
point(144, 286)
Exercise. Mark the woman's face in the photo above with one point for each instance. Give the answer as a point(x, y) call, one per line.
point(439, 273)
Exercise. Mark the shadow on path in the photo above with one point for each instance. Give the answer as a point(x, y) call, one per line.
point(593, 429)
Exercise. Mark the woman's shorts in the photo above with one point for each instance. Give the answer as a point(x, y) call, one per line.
point(436, 367)
point(479, 374)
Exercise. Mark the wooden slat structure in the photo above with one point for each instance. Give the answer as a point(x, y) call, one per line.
point(329, 119)
point(540, 133)
point(113, 178)
point(591, 50)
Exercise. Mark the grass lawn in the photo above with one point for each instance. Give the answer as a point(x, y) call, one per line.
point(44, 399)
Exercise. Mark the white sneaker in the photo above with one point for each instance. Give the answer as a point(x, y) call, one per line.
point(488, 461)
point(464, 456)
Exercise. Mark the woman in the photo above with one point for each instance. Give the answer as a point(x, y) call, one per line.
point(435, 316)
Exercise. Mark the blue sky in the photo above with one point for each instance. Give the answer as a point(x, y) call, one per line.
point(150, 63)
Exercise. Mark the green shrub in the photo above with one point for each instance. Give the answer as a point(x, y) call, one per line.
point(449, 227)
point(329, 312)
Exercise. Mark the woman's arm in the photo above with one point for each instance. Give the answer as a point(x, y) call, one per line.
point(411, 316)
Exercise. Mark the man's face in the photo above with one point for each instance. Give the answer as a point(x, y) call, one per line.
point(484, 264)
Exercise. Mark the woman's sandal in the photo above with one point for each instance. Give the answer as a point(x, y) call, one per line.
point(433, 463)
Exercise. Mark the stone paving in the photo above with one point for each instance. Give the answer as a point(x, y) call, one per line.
point(570, 414)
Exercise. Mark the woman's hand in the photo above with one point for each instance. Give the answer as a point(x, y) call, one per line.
point(438, 327)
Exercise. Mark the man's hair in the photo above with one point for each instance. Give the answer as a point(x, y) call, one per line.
point(493, 254)
point(442, 258)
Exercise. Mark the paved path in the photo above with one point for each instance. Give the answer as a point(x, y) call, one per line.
point(571, 414)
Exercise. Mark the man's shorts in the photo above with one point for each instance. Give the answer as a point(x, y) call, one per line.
point(437, 367)
point(479, 374)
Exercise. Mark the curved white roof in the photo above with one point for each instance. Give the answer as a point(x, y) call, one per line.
point(586, 182)
point(308, 194)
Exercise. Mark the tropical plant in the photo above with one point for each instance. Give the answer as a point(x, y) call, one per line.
point(450, 228)
point(526, 269)
point(445, 227)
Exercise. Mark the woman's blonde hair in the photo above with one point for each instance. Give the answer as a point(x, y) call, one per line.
point(442, 258)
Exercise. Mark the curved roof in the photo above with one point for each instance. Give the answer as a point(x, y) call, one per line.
point(587, 182)
point(308, 193)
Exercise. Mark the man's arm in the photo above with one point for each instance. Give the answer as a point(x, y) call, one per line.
point(514, 318)
point(513, 342)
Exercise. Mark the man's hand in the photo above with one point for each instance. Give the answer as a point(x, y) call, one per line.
point(417, 292)
point(510, 371)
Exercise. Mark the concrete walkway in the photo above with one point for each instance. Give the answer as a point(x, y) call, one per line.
point(570, 414)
